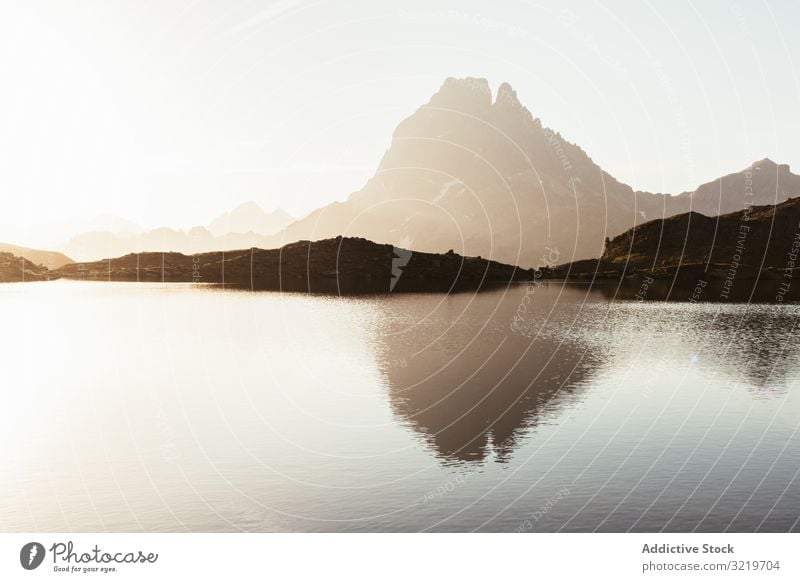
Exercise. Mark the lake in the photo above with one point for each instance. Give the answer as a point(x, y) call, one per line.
point(149, 407)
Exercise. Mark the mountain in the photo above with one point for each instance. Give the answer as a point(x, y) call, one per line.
point(340, 265)
point(108, 223)
point(14, 269)
point(49, 259)
point(484, 177)
point(250, 217)
point(101, 244)
point(762, 183)
point(53, 234)
point(480, 174)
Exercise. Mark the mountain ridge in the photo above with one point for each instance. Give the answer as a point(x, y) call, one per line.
point(246, 225)
point(249, 217)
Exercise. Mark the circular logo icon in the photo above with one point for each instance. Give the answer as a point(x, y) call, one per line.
point(31, 555)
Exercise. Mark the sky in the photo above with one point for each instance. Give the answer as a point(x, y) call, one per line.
point(171, 112)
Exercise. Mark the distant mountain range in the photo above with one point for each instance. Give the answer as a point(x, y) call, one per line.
point(250, 218)
point(246, 226)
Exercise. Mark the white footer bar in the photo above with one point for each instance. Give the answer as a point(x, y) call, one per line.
point(402, 557)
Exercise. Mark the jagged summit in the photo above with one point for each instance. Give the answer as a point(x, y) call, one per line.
point(770, 165)
point(468, 94)
point(507, 96)
point(472, 94)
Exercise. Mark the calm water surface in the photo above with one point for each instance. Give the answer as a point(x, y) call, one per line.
point(144, 407)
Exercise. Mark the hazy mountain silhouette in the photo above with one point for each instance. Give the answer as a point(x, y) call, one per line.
point(250, 217)
point(244, 227)
point(483, 176)
point(98, 245)
point(764, 182)
point(49, 259)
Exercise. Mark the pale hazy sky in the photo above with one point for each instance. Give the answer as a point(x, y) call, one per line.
point(171, 112)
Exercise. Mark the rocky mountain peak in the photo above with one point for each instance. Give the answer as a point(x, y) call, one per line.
point(469, 94)
point(507, 96)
